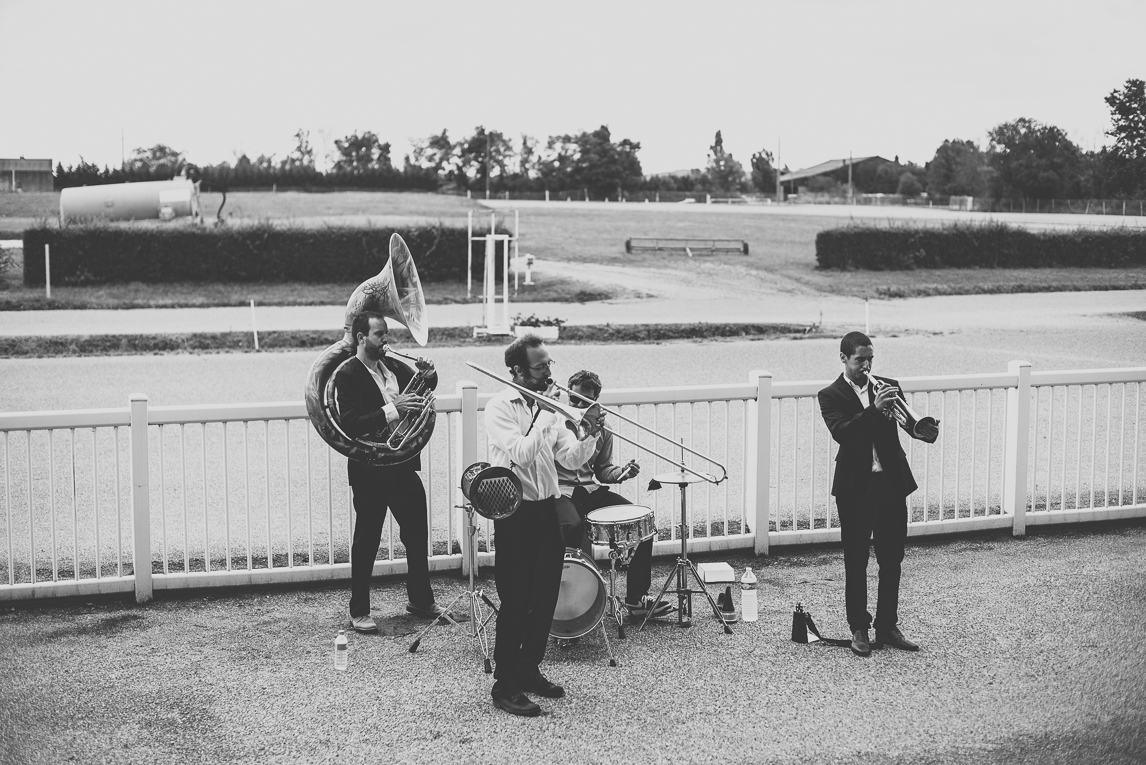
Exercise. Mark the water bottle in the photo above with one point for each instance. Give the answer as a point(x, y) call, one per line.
point(341, 651)
point(748, 596)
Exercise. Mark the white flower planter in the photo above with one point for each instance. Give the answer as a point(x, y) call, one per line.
point(545, 333)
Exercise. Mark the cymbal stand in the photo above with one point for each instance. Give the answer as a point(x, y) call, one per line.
point(474, 597)
point(684, 566)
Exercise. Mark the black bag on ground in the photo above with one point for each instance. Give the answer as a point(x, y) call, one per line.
point(804, 630)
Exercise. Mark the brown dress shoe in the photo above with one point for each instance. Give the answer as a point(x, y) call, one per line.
point(861, 645)
point(894, 638)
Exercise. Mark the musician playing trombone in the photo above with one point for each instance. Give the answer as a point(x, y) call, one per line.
point(530, 439)
point(871, 484)
point(370, 396)
point(583, 490)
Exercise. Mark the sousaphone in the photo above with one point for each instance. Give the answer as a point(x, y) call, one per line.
point(396, 293)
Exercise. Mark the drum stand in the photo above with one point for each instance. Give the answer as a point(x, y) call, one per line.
point(684, 566)
point(619, 557)
point(476, 598)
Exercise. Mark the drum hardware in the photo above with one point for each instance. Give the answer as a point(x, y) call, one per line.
point(494, 493)
point(581, 603)
point(684, 591)
point(622, 528)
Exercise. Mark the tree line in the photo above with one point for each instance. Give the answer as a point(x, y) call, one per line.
point(1023, 158)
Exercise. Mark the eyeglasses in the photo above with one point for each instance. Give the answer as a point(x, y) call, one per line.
point(542, 367)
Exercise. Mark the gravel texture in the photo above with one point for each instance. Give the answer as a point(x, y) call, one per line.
point(1031, 653)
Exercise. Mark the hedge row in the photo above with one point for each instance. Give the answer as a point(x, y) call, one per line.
point(899, 248)
point(110, 253)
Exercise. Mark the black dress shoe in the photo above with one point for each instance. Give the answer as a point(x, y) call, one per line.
point(861, 645)
point(894, 638)
point(517, 704)
point(540, 686)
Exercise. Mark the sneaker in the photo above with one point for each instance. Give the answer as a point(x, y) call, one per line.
point(429, 611)
point(363, 623)
point(641, 610)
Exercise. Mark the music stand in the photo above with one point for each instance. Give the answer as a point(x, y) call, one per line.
point(494, 493)
point(684, 566)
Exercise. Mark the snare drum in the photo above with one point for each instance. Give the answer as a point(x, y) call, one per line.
point(582, 601)
point(624, 525)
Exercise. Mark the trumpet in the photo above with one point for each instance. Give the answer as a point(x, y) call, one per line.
point(573, 421)
point(921, 428)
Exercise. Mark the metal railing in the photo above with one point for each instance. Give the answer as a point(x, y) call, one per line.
point(242, 494)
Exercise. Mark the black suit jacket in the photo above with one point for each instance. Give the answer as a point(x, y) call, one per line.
point(855, 428)
point(360, 413)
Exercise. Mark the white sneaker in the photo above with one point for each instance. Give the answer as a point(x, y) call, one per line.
point(363, 624)
point(640, 610)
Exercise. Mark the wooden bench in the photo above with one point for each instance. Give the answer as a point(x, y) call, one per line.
point(690, 245)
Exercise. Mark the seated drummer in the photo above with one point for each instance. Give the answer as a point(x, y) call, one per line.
point(582, 492)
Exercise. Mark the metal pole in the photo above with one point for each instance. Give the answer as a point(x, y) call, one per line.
point(254, 327)
point(469, 253)
point(47, 273)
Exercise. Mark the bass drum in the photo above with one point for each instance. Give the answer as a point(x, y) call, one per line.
point(583, 600)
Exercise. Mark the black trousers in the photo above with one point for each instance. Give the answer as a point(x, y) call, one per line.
point(402, 492)
point(879, 515)
point(571, 514)
point(528, 561)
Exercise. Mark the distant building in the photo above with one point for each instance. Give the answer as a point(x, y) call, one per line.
point(25, 174)
point(836, 169)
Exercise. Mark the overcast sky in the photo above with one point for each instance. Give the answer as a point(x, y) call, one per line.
point(815, 79)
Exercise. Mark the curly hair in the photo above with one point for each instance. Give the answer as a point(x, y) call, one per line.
point(586, 379)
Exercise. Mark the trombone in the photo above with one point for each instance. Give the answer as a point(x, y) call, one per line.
point(573, 418)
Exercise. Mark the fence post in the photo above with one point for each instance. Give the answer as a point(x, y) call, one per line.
point(140, 499)
point(758, 461)
point(467, 443)
point(1016, 445)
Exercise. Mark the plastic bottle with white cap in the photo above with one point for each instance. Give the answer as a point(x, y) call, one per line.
point(748, 604)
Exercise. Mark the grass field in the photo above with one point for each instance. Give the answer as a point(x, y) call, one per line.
point(782, 252)
point(783, 249)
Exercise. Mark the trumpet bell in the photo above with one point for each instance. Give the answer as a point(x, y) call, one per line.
point(396, 293)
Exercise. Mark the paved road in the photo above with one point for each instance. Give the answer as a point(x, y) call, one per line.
point(1100, 311)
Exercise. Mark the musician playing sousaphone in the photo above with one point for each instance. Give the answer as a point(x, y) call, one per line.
point(584, 489)
point(528, 438)
point(372, 393)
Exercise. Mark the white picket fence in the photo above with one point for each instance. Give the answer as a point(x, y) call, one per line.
point(244, 494)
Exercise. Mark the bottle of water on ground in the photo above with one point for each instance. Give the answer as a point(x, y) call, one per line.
point(748, 596)
point(341, 652)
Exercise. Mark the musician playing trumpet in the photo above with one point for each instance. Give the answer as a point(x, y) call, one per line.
point(872, 482)
point(372, 397)
point(528, 438)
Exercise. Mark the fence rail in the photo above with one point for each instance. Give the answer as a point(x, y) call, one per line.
point(142, 498)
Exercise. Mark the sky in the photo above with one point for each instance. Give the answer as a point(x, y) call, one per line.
point(807, 80)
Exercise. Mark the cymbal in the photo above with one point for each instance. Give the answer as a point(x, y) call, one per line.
point(678, 477)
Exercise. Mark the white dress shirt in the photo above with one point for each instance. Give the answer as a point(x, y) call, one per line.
point(388, 384)
point(531, 448)
point(865, 402)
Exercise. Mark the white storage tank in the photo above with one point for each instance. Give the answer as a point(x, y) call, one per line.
point(149, 200)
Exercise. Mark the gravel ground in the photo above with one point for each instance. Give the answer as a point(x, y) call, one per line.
point(1030, 654)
